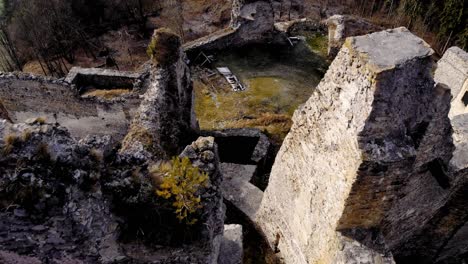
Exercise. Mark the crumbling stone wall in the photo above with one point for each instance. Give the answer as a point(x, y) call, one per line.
point(452, 70)
point(459, 160)
point(105, 79)
point(342, 26)
point(288, 9)
point(285, 10)
point(76, 201)
point(365, 160)
point(251, 22)
point(165, 121)
point(27, 96)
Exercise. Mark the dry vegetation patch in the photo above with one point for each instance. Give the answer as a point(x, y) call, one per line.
point(107, 94)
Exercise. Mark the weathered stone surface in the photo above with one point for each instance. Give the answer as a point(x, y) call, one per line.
point(460, 140)
point(69, 201)
point(354, 252)
point(456, 247)
point(299, 26)
point(26, 96)
point(423, 194)
point(370, 129)
point(238, 190)
point(48, 174)
point(254, 21)
point(288, 9)
point(231, 251)
point(393, 49)
point(213, 206)
point(342, 26)
point(165, 121)
point(4, 112)
point(436, 234)
point(9, 257)
point(251, 22)
point(241, 171)
point(452, 70)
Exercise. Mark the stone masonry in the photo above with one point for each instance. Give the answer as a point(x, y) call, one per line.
point(26, 96)
point(452, 70)
point(360, 162)
point(166, 120)
point(252, 21)
point(342, 26)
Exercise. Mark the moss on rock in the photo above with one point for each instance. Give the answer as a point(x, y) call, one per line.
point(139, 134)
point(164, 48)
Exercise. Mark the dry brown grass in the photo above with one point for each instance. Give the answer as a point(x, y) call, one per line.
point(275, 125)
point(11, 141)
point(141, 135)
point(40, 120)
point(266, 119)
point(26, 135)
point(107, 94)
point(42, 152)
point(96, 155)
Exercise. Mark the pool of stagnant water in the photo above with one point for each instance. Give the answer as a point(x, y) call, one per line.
point(277, 78)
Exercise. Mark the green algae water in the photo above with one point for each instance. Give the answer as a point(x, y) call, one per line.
point(278, 80)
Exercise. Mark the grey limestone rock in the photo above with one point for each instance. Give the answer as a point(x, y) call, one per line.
point(375, 130)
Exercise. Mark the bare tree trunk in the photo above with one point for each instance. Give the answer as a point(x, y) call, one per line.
point(446, 43)
point(372, 8)
point(40, 63)
point(390, 9)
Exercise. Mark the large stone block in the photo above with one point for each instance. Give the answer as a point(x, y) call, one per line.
point(342, 26)
point(452, 70)
point(459, 160)
point(231, 246)
point(352, 146)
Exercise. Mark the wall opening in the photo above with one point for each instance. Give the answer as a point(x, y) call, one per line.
point(236, 149)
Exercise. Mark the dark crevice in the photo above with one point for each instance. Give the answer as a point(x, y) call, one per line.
point(438, 170)
point(465, 99)
point(417, 133)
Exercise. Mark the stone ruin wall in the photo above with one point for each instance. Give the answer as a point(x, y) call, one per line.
point(166, 119)
point(366, 164)
point(102, 78)
point(102, 183)
point(342, 26)
point(452, 70)
point(252, 21)
point(26, 96)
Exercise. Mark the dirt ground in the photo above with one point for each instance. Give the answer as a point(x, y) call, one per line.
point(127, 45)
